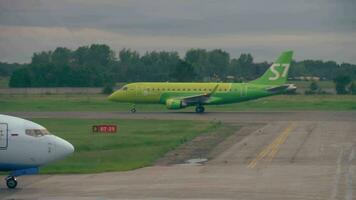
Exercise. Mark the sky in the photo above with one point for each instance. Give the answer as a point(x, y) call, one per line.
point(314, 29)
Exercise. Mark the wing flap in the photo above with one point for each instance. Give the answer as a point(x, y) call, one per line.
point(195, 99)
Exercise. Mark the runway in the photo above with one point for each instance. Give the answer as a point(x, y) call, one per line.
point(289, 155)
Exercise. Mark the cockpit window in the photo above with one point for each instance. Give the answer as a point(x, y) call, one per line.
point(37, 132)
point(124, 88)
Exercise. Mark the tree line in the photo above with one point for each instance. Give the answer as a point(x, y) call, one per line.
point(98, 65)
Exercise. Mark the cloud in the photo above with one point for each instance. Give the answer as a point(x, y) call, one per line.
point(316, 28)
point(32, 39)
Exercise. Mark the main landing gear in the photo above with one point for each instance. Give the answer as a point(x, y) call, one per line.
point(199, 109)
point(133, 109)
point(11, 182)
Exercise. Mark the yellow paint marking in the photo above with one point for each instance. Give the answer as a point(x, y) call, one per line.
point(272, 149)
point(283, 139)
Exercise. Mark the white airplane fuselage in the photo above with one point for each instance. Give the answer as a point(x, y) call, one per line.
point(25, 145)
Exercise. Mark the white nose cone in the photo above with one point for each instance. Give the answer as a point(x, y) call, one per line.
point(63, 148)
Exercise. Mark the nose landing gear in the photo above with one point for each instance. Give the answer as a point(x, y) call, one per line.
point(11, 182)
point(133, 109)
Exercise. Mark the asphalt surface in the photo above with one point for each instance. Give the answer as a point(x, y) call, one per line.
point(295, 155)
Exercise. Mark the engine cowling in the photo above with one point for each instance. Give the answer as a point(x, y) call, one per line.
point(175, 104)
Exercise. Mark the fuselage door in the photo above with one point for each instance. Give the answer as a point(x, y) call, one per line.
point(3, 136)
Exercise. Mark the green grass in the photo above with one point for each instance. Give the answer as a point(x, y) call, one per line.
point(138, 143)
point(99, 103)
point(295, 103)
point(4, 82)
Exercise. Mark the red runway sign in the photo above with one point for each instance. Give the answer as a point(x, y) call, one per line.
point(104, 128)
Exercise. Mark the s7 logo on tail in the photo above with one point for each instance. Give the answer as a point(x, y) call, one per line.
point(277, 73)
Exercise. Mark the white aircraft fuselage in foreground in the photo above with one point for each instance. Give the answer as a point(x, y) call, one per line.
point(25, 146)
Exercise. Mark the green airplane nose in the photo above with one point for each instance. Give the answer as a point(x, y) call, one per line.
point(113, 96)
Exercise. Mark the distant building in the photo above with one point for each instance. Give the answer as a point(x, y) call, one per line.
point(306, 78)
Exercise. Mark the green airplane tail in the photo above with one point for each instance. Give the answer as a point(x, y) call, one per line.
point(277, 73)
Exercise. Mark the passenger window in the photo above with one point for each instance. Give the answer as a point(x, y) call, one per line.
point(124, 88)
point(37, 132)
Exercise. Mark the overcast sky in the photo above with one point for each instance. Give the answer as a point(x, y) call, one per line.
point(314, 29)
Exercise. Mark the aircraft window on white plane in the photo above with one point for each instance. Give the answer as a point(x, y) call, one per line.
point(37, 132)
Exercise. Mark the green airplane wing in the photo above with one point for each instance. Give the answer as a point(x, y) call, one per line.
point(196, 99)
point(277, 73)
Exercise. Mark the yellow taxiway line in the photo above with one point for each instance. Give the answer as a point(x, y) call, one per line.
point(272, 149)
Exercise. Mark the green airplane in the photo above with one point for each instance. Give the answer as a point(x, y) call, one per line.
point(181, 95)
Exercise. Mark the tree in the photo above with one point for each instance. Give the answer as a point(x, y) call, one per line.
point(199, 59)
point(61, 56)
point(352, 88)
point(96, 65)
point(85, 67)
point(20, 78)
point(42, 58)
point(130, 67)
point(341, 81)
point(243, 67)
point(219, 62)
point(159, 65)
point(313, 88)
point(183, 72)
point(6, 69)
